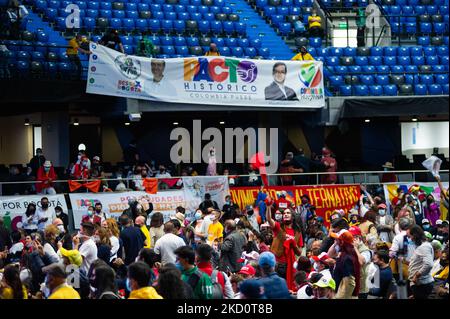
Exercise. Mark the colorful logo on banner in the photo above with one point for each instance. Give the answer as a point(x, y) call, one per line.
point(128, 66)
point(326, 199)
point(219, 70)
point(130, 86)
point(310, 75)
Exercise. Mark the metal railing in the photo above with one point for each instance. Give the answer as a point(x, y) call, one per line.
point(314, 178)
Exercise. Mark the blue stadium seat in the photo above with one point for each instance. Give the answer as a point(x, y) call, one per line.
point(420, 89)
point(321, 52)
point(216, 27)
point(159, 15)
point(423, 41)
point(285, 28)
point(367, 79)
point(240, 27)
point(105, 13)
point(256, 43)
point(231, 42)
point(404, 60)
point(438, 68)
point(264, 52)
point(225, 51)
point(202, 9)
point(397, 69)
point(215, 9)
point(192, 41)
point(270, 11)
point(341, 69)
point(219, 3)
point(282, 10)
point(227, 10)
point(429, 50)
point(332, 60)
point(170, 15)
point(426, 27)
point(128, 24)
point(126, 40)
point(407, 10)
point(250, 52)
point(37, 56)
point(154, 25)
point(183, 16)
point(435, 89)
point(382, 79)
point(382, 68)
point(444, 60)
point(354, 69)
point(167, 25)
point(141, 24)
point(427, 79)
point(345, 90)
point(51, 13)
point(390, 60)
point(368, 69)
point(439, 27)
point(420, 10)
point(42, 36)
point(130, 6)
point(375, 90)
point(315, 42)
point(445, 89)
point(403, 51)
point(41, 5)
point(375, 60)
point(91, 13)
point(338, 52)
point(179, 41)
point(336, 80)
point(218, 41)
point(416, 51)
point(119, 14)
point(191, 9)
point(390, 51)
point(237, 51)
point(228, 27)
point(105, 5)
point(361, 90)
point(243, 42)
point(157, 7)
point(376, 51)
point(182, 50)
point(115, 23)
point(442, 50)
point(411, 69)
point(361, 60)
point(350, 51)
point(441, 79)
point(390, 90)
point(166, 41)
point(168, 49)
point(432, 60)
point(411, 27)
point(144, 7)
point(22, 56)
point(167, 7)
point(418, 60)
point(132, 14)
point(65, 68)
point(196, 16)
point(432, 10)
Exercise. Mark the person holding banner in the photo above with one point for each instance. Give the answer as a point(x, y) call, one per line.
point(287, 243)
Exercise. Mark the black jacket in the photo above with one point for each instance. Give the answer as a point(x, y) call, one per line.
point(273, 92)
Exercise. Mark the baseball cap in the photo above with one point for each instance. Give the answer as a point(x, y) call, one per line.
point(325, 282)
point(248, 270)
point(96, 158)
point(55, 270)
point(343, 235)
point(322, 257)
point(425, 221)
point(382, 206)
point(428, 235)
point(439, 222)
point(47, 164)
point(254, 255)
point(355, 231)
point(252, 289)
point(267, 258)
point(180, 218)
point(74, 256)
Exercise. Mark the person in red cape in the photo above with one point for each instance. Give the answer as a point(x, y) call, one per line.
point(46, 175)
point(287, 243)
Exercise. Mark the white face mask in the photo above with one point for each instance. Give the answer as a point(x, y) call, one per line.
point(382, 212)
point(61, 228)
point(316, 267)
point(337, 248)
point(278, 217)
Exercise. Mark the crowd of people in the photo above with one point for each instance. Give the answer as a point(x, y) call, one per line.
point(377, 249)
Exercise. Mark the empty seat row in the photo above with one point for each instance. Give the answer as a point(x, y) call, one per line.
point(195, 41)
point(387, 60)
point(393, 90)
point(367, 79)
point(415, 2)
point(415, 10)
point(378, 51)
point(384, 69)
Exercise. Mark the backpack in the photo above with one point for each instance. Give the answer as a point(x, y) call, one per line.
point(217, 288)
point(194, 278)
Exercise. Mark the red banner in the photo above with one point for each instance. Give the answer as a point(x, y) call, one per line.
point(326, 199)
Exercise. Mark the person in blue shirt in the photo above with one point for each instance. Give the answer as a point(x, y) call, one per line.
point(381, 259)
point(260, 203)
point(275, 287)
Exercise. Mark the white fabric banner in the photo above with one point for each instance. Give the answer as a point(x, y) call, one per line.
point(433, 164)
point(115, 203)
point(196, 187)
point(207, 80)
point(13, 207)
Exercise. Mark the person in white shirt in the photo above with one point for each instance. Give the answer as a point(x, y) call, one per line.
point(162, 173)
point(321, 265)
point(30, 219)
point(88, 248)
point(207, 220)
point(159, 84)
point(45, 214)
point(167, 244)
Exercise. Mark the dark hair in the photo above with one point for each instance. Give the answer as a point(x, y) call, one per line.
point(149, 256)
point(12, 278)
point(140, 272)
point(315, 277)
point(207, 196)
point(124, 219)
point(170, 285)
point(88, 228)
point(105, 280)
point(300, 277)
point(98, 203)
point(44, 198)
point(370, 216)
point(181, 209)
point(277, 65)
point(204, 252)
point(176, 223)
point(16, 236)
point(383, 255)
point(169, 227)
point(156, 220)
point(417, 234)
point(28, 212)
point(304, 264)
point(186, 252)
point(59, 208)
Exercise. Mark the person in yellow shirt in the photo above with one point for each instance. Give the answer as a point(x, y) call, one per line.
point(140, 221)
point(56, 283)
point(303, 55)
point(139, 275)
point(75, 46)
point(315, 25)
point(11, 286)
point(213, 50)
point(215, 230)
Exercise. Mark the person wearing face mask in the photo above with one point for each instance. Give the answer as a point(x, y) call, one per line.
point(303, 55)
point(232, 247)
point(62, 216)
point(287, 243)
point(37, 161)
point(45, 214)
point(196, 224)
point(30, 219)
point(385, 224)
point(86, 245)
point(99, 216)
point(426, 226)
point(162, 173)
point(45, 176)
point(321, 265)
point(440, 275)
point(81, 170)
point(324, 288)
point(431, 209)
point(229, 209)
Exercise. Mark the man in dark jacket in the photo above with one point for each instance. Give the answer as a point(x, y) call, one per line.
point(275, 287)
point(232, 247)
point(37, 161)
point(133, 239)
point(207, 203)
point(229, 209)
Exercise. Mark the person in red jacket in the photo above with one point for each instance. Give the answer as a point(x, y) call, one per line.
point(81, 169)
point(46, 175)
point(204, 256)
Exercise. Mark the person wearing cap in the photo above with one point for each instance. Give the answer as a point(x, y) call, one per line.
point(384, 224)
point(353, 217)
point(251, 289)
point(55, 282)
point(112, 40)
point(415, 204)
point(347, 270)
point(426, 226)
point(388, 176)
point(303, 55)
point(420, 264)
point(275, 287)
point(330, 164)
point(286, 244)
point(322, 265)
point(232, 247)
point(364, 257)
point(140, 222)
point(437, 248)
point(324, 288)
point(45, 176)
point(441, 231)
point(247, 271)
